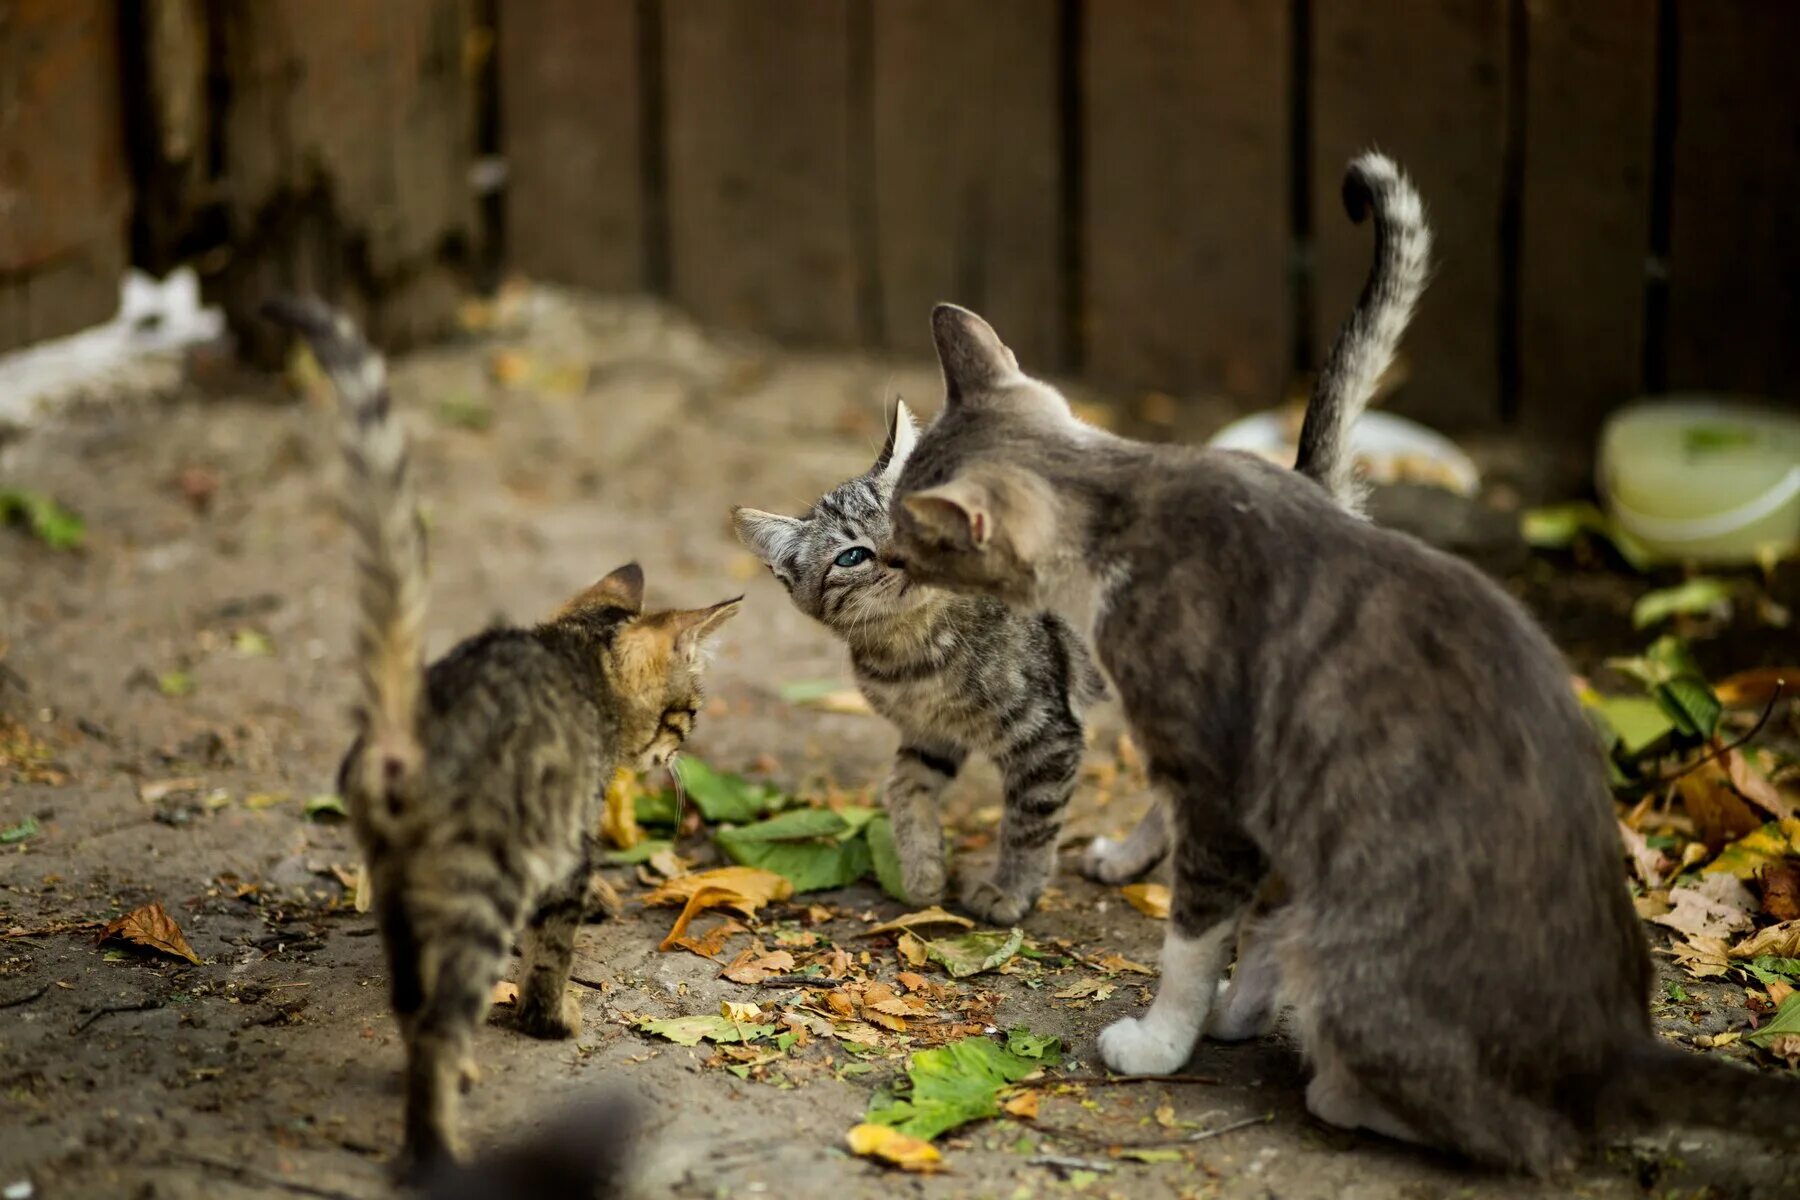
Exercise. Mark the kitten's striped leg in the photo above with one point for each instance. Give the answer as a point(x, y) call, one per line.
point(918, 777)
point(546, 1008)
point(1039, 774)
point(1122, 861)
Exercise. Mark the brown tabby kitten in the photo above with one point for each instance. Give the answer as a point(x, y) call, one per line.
point(475, 786)
point(1371, 721)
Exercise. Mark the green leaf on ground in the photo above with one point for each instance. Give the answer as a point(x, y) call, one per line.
point(48, 521)
point(1146, 1154)
point(886, 858)
point(711, 1027)
point(802, 691)
point(1691, 704)
point(1046, 1049)
point(951, 1086)
point(175, 683)
point(644, 851)
point(12, 835)
point(1556, 526)
point(1638, 722)
point(463, 410)
point(1746, 857)
point(722, 796)
point(973, 953)
point(325, 806)
point(1700, 596)
point(1786, 1020)
point(655, 808)
point(812, 848)
point(249, 643)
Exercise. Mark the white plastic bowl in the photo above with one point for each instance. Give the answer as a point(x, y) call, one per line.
point(1388, 449)
point(1703, 479)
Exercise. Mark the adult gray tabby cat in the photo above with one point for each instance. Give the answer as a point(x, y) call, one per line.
point(474, 786)
point(1368, 719)
point(960, 673)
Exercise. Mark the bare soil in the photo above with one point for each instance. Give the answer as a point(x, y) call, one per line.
point(270, 1069)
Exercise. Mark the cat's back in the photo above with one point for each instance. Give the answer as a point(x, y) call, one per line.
point(504, 692)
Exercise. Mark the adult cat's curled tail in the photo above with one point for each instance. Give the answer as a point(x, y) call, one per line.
point(390, 552)
point(1366, 343)
point(1653, 1084)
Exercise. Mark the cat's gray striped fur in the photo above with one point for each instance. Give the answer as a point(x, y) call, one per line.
point(474, 787)
point(961, 673)
point(1363, 717)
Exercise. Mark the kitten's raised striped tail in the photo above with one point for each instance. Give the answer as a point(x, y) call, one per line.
point(390, 552)
point(1366, 343)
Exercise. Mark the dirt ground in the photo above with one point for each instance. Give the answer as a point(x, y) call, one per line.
point(623, 433)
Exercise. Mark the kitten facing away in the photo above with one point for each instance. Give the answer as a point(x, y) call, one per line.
point(961, 673)
point(474, 786)
point(1372, 722)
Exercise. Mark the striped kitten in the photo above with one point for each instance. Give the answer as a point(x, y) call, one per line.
point(1370, 720)
point(474, 786)
point(956, 673)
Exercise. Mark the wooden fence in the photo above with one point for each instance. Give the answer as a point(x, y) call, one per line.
point(1145, 191)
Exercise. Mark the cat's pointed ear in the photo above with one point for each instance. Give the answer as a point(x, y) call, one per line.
point(971, 353)
point(692, 626)
point(623, 588)
point(959, 513)
point(768, 535)
point(902, 436)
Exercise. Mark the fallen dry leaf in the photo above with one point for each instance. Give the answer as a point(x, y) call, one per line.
point(1718, 905)
point(1118, 964)
point(1651, 905)
point(889, 1145)
point(1756, 787)
point(1086, 989)
point(708, 944)
point(1025, 1105)
point(1785, 1046)
point(1779, 991)
point(1703, 957)
point(1752, 689)
point(157, 789)
point(747, 967)
point(1646, 859)
point(912, 950)
point(919, 920)
point(1719, 814)
point(745, 889)
point(1781, 890)
point(618, 820)
point(1778, 941)
point(506, 992)
point(1151, 899)
point(151, 926)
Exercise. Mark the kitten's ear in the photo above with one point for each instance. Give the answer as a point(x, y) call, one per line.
point(623, 588)
point(768, 535)
point(959, 513)
point(971, 353)
point(902, 436)
point(692, 626)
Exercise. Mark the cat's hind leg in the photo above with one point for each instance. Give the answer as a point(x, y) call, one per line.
point(1109, 860)
point(546, 1007)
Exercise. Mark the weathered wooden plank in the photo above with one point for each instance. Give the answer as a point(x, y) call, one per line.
point(1186, 238)
point(64, 195)
point(1734, 241)
point(1424, 82)
point(1585, 209)
point(347, 145)
point(571, 125)
point(759, 175)
point(968, 174)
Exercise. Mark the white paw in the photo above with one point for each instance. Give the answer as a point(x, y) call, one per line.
point(1132, 1046)
point(1104, 860)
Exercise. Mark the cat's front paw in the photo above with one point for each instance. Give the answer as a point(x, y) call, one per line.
point(1135, 1046)
point(995, 904)
point(551, 1021)
point(923, 881)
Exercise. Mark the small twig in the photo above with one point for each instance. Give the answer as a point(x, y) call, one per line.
point(25, 999)
point(1061, 1163)
point(1246, 1123)
point(1111, 1080)
point(110, 1009)
point(251, 1175)
point(598, 985)
point(1111, 1143)
point(1722, 751)
point(817, 981)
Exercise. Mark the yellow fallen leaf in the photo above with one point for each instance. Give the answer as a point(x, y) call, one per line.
point(1779, 991)
point(618, 820)
point(151, 926)
point(1777, 941)
point(1747, 856)
point(889, 1145)
point(505, 992)
point(733, 1011)
point(1753, 689)
point(918, 920)
point(1703, 957)
point(1025, 1104)
point(911, 949)
point(1118, 964)
point(261, 800)
point(745, 889)
point(509, 367)
point(1151, 899)
point(847, 701)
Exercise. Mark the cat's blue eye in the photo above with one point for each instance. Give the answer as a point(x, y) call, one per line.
point(853, 556)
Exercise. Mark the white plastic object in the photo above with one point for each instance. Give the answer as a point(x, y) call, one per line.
point(1388, 449)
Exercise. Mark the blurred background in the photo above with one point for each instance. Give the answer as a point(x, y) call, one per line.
point(1144, 194)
